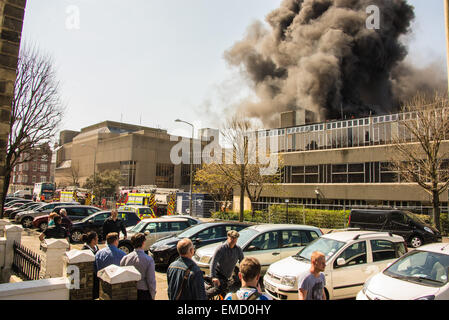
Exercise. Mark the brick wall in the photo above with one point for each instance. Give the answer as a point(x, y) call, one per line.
point(11, 20)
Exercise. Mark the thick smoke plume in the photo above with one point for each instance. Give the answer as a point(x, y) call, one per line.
point(320, 56)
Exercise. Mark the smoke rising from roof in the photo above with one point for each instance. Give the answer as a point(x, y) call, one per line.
point(320, 56)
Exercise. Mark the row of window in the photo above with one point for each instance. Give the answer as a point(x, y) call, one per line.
point(24, 179)
point(25, 167)
point(368, 172)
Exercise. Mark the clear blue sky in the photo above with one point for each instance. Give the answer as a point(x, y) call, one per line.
point(159, 60)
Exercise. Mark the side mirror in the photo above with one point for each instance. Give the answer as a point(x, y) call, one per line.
point(90, 221)
point(251, 248)
point(147, 233)
point(197, 240)
point(341, 262)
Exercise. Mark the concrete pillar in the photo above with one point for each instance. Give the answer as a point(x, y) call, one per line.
point(13, 234)
point(3, 223)
point(52, 262)
point(118, 283)
point(79, 267)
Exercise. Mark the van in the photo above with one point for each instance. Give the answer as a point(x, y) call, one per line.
point(400, 222)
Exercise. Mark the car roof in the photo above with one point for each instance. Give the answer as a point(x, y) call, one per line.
point(346, 236)
point(164, 219)
point(442, 248)
point(271, 227)
point(76, 206)
point(186, 216)
point(134, 206)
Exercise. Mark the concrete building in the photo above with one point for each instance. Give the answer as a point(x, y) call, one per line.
point(142, 155)
point(342, 163)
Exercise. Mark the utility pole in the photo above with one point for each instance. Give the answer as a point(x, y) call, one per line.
point(446, 15)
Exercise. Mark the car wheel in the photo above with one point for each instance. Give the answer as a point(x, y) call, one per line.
point(126, 247)
point(416, 241)
point(76, 235)
point(27, 222)
point(43, 226)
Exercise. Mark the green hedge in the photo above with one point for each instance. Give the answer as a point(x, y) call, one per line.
point(329, 219)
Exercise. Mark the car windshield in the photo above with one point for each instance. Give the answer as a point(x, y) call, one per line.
point(187, 233)
point(414, 217)
point(88, 217)
point(245, 235)
point(144, 210)
point(138, 227)
point(423, 267)
point(327, 246)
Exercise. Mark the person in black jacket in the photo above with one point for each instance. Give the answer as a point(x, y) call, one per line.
point(114, 224)
point(56, 232)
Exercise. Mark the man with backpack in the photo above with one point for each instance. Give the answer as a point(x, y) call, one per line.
point(249, 275)
point(185, 279)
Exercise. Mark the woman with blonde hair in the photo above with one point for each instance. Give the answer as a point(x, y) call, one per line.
point(51, 218)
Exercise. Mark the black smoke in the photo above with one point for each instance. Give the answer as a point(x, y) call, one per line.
point(319, 55)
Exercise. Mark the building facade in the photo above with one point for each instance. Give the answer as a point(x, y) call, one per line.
point(25, 175)
point(343, 163)
point(141, 154)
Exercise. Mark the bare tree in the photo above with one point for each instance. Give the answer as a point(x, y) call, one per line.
point(421, 157)
point(36, 110)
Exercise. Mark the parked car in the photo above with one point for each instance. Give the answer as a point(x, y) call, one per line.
point(192, 220)
point(23, 207)
point(14, 203)
point(351, 257)
point(400, 222)
point(154, 229)
point(95, 223)
point(421, 274)
point(143, 212)
point(164, 251)
point(266, 242)
point(33, 206)
point(74, 213)
point(26, 218)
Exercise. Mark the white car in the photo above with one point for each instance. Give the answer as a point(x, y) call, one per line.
point(351, 258)
point(421, 274)
point(266, 242)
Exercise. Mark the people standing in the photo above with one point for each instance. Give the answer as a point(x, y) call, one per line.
point(91, 243)
point(146, 286)
point(249, 275)
point(110, 254)
point(184, 277)
point(223, 263)
point(114, 224)
point(312, 282)
point(56, 232)
point(65, 219)
point(51, 221)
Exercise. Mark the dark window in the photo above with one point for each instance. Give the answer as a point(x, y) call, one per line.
point(293, 238)
point(385, 250)
point(178, 226)
point(266, 241)
point(356, 178)
point(76, 212)
point(101, 217)
point(356, 167)
point(311, 169)
point(339, 168)
point(353, 255)
point(212, 233)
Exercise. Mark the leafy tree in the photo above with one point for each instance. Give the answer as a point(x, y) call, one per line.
point(105, 183)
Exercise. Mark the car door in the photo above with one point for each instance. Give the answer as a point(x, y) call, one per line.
point(348, 279)
point(178, 226)
point(265, 248)
point(293, 240)
point(98, 221)
point(399, 224)
point(209, 235)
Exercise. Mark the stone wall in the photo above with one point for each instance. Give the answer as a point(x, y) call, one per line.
point(11, 20)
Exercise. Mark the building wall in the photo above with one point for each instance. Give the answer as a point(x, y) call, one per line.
point(11, 21)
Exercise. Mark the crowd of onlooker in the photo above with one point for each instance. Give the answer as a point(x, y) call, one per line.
point(184, 277)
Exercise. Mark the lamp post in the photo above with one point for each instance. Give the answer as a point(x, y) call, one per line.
point(286, 203)
point(191, 164)
point(446, 18)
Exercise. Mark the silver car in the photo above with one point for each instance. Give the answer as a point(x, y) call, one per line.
point(26, 218)
point(154, 230)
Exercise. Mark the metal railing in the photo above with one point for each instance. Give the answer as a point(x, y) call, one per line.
point(26, 263)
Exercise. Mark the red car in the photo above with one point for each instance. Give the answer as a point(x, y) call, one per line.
point(41, 222)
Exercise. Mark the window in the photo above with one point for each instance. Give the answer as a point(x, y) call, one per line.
point(178, 226)
point(44, 157)
point(353, 255)
point(165, 175)
point(76, 212)
point(157, 227)
point(25, 167)
point(266, 241)
point(294, 238)
point(43, 168)
point(34, 166)
point(43, 179)
point(212, 233)
point(24, 178)
point(101, 217)
point(384, 250)
point(34, 179)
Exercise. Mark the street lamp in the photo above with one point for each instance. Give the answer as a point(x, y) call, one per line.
point(191, 163)
point(286, 202)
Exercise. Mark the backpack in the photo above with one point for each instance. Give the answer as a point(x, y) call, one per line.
point(253, 296)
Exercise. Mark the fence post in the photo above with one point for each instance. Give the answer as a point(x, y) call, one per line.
point(118, 283)
point(52, 263)
point(79, 267)
point(3, 223)
point(13, 234)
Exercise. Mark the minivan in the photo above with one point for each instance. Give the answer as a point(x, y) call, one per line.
point(400, 222)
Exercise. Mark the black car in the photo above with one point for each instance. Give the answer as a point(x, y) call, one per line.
point(164, 251)
point(26, 206)
point(400, 222)
point(95, 222)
